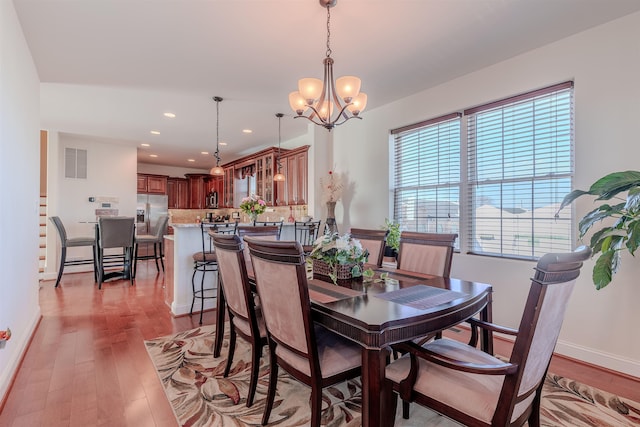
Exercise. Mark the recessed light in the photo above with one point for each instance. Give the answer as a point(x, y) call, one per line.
point(222, 143)
point(155, 132)
point(153, 155)
point(204, 152)
point(170, 115)
point(144, 144)
point(247, 131)
point(191, 160)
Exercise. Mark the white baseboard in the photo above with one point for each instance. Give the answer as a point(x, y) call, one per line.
point(21, 341)
point(599, 358)
point(180, 310)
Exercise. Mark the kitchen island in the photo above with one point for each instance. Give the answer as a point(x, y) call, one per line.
point(180, 247)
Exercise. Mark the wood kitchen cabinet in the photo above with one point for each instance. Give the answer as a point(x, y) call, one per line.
point(296, 183)
point(178, 193)
point(264, 178)
point(152, 184)
point(198, 189)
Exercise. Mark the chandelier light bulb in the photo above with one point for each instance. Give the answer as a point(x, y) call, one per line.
point(348, 87)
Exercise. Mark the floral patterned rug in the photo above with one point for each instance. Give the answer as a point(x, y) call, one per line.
point(200, 396)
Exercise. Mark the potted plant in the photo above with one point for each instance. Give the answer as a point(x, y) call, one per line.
point(393, 238)
point(341, 258)
point(622, 232)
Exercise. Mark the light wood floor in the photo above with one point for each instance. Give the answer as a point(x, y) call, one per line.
point(87, 364)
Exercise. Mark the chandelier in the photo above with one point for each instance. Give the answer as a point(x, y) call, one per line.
point(217, 169)
point(331, 104)
point(279, 177)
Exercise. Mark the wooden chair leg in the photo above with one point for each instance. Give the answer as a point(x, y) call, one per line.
point(273, 381)
point(405, 409)
point(232, 348)
point(256, 350)
point(316, 405)
point(162, 254)
point(155, 256)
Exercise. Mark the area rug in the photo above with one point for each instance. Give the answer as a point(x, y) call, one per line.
point(200, 396)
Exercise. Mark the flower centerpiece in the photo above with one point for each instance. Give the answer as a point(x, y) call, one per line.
point(338, 257)
point(253, 206)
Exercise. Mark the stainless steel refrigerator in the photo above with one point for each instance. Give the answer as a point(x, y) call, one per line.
point(148, 210)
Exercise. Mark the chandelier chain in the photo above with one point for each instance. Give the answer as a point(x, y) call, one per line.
point(328, 31)
point(217, 132)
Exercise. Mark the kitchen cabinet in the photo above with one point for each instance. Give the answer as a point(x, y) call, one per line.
point(264, 178)
point(227, 190)
point(296, 183)
point(178, 193)
point(152, 184)
point(198, 189)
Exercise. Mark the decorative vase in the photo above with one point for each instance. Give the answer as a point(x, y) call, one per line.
point(331, 217)
point(253, 217)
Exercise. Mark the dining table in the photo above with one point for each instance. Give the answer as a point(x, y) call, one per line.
point(385, 307)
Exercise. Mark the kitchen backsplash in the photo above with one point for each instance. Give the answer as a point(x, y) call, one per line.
point(275, 213)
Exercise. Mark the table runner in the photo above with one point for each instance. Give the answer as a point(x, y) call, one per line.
point(421, 296)
point(324, 292)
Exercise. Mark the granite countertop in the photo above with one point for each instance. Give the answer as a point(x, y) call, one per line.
point(211, 224)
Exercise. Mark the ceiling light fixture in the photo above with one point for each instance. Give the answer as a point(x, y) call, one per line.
point(279, 177)
point(325, 98)
point(170, 115)
point(217, 170)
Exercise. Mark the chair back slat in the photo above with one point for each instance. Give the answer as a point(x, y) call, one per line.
point(306, 231)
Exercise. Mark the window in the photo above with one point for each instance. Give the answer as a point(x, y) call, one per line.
point(427, 176)
point(518, 167)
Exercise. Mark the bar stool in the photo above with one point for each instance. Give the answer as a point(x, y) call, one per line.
point(157, 240)
point(206, 261)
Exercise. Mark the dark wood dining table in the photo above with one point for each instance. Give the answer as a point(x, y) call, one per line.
point(390, 307)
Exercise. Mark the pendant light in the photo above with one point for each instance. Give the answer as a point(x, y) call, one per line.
point(217, 170)
point(331, 103)
point(279, 177)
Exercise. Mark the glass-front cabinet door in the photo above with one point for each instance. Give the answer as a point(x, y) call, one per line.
point(264, 178)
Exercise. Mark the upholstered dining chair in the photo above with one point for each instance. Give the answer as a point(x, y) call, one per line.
point(428, 253)
point(270, 224)
point(156, 239)
point(115, 233)
point(73, 242)
point(267, 232)
point(373, 241)
point(477, 389)
point(310, 353)
point(245, 318)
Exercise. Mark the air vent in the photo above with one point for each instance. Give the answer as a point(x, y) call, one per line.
point(75, 163)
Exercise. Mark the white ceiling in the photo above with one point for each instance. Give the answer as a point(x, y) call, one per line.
point(111, 68)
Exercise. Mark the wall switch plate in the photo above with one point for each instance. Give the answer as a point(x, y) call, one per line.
point(92, 199)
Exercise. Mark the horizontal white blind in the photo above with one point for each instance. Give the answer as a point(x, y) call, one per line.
point(520, 167)
point(427, 175)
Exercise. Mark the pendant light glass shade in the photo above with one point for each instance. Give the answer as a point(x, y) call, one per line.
point(216, 170)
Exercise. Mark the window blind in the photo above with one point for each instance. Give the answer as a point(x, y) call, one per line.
point(520, 167)
point(427, 175)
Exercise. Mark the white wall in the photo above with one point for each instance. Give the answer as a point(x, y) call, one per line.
point(19, 190)
point(604, 62)
point(111, 174)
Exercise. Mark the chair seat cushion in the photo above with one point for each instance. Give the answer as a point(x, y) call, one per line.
point(147, 238)
point(473, 394)
point(205, 257)
point(81, 241)
point(336, 354)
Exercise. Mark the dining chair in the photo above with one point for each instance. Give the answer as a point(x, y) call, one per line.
point(306, 233)
point(245, 318)
point(270, 224)
point(373, 241)
point(474, 388)
point(115, 232)
point(268, 232)
point(73, 242)
point(156, 239)
point(428, 253)
point(310, 353)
